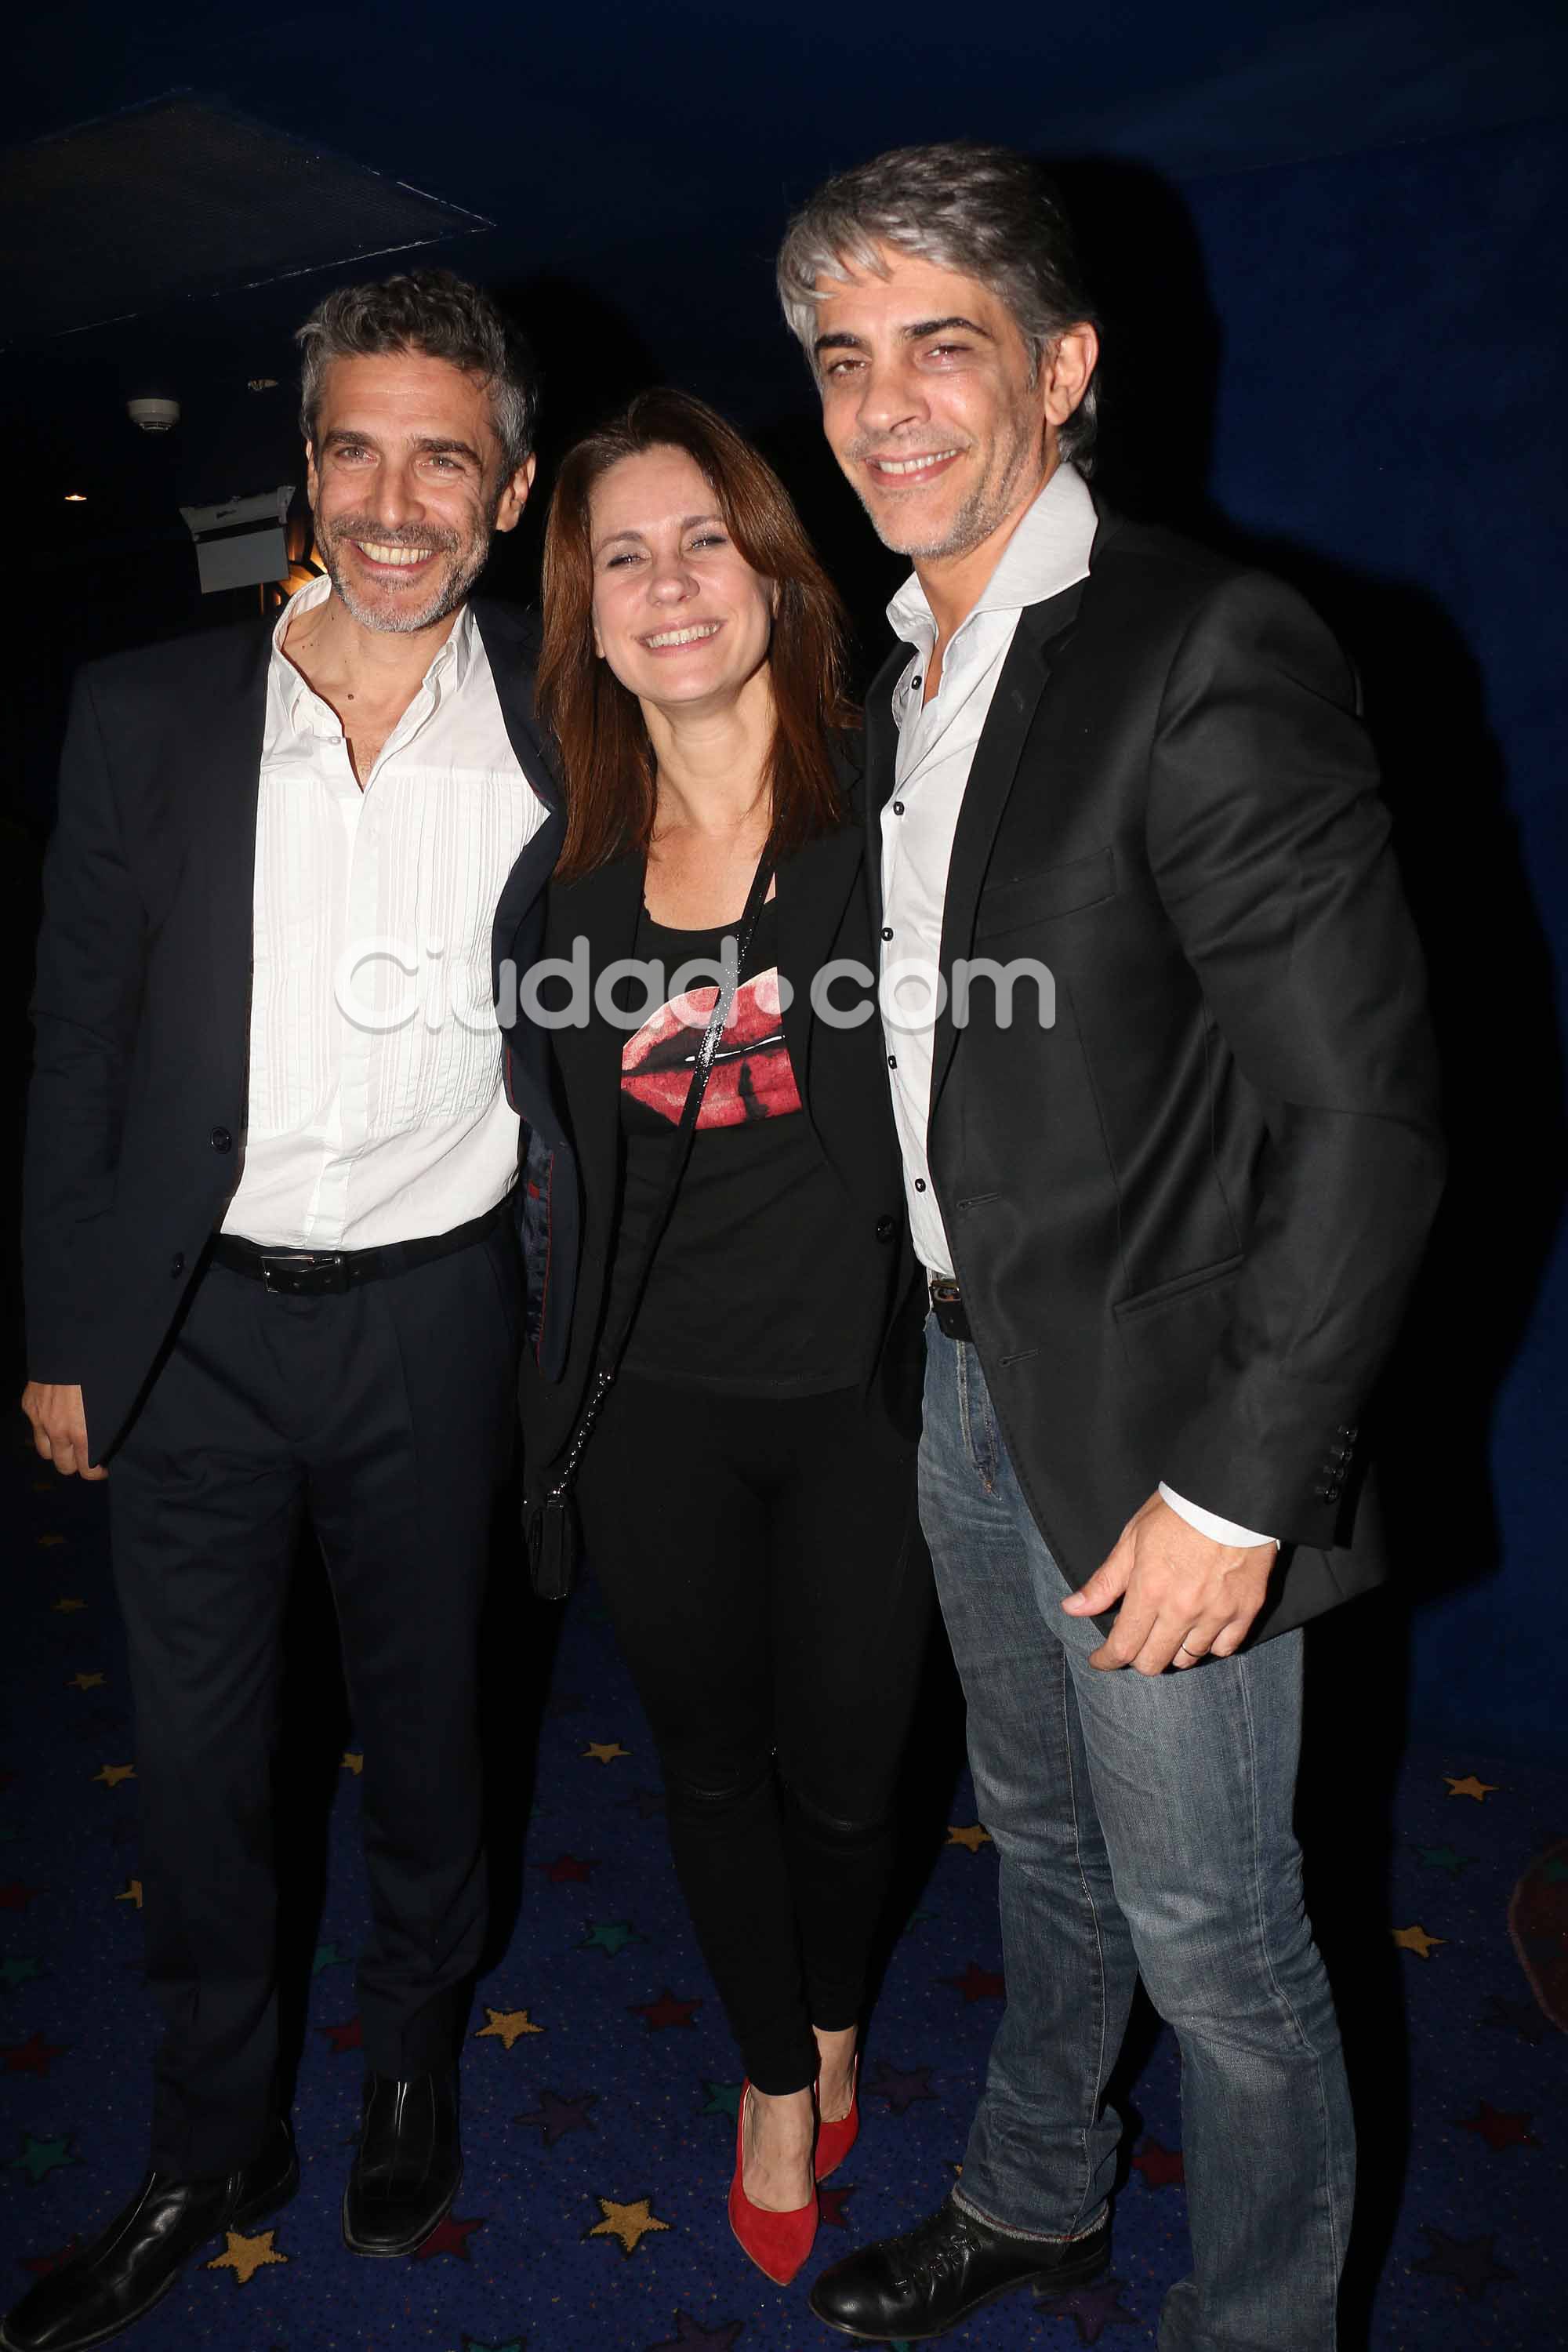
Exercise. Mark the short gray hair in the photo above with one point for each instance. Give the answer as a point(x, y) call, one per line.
point(431, 311)
point(983, 211)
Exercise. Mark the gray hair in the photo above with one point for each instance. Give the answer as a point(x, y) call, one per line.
point(983, 211)
point(431, 311)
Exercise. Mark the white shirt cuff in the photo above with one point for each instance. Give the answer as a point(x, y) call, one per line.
point(1209, 1523)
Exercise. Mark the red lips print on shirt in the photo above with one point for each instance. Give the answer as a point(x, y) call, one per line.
point(752, 1077)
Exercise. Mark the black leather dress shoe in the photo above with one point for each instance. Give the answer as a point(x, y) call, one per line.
point(408, 2166)
point(945, 2267)
point(110, 2283)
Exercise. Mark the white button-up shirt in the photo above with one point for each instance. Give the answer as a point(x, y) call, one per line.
point(376, 1111)
point(1047, 552)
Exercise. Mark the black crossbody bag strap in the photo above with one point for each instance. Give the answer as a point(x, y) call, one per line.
point(550, 1525)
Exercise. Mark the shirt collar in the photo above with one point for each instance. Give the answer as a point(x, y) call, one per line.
point(448, 670)
point(1047, 552)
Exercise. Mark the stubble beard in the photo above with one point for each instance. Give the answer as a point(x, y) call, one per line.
point(987, 506)
point(404, 619)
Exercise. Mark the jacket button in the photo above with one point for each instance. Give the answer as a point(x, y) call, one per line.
point(177, 1265)
point(887, 1229)
point(221, 1139)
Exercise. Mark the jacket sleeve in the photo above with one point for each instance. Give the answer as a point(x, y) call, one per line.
point(1270, 844)
point(86, 999)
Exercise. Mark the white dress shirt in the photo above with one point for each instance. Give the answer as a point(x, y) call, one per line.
point(376, 1111)
point(1047, 552)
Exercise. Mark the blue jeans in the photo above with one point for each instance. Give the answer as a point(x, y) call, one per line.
point(1143, 1826)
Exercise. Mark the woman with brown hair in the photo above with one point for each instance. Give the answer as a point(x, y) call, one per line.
point(747, 1494)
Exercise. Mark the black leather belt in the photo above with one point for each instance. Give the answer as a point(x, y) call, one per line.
point(314, 1274)
point(947, 1305)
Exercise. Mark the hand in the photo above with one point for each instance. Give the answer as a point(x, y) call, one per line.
point(59, 1428)
point(1183, 1596)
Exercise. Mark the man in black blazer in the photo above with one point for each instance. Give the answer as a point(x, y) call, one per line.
point(1158, 1047)
point(271, 1253)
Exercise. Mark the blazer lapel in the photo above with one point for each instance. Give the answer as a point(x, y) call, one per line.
point(226, 750)
point(603, 909)
point(510, 648)
point(881, 770)
point(1037, 642)
point(814, 887)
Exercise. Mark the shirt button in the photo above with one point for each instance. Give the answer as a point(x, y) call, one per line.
point(898, 808)
point(887, 931)
point(920, 1183)
point(916, 681)
point(892, 1061)
point(221, 1139)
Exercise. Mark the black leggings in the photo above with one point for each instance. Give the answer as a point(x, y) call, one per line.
point(762, 1566)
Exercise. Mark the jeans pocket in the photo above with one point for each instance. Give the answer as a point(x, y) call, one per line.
point(976, 1420)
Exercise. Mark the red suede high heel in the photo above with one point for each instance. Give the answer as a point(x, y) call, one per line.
point(835, 2140)
point(777, 2243)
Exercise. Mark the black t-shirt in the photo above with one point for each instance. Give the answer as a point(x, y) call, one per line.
point(760, 1281)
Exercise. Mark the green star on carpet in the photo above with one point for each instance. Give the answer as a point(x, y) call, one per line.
point(611, 1939)
point(512, 2344)
point(723, 2099)
point(40, 2157)
point(1443, 1857)
point(17, 1972)
point(1555, 1869)
point(327, 1956)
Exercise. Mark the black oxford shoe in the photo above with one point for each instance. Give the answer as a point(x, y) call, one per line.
point(110, 2283)
point(408, 2166)
point(945, 2267)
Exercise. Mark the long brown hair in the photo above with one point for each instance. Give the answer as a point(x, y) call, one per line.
point(606, 758)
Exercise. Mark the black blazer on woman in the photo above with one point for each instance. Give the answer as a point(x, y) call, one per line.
point(822, 913)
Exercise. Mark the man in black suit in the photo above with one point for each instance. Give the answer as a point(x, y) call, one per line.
point(1171, 1210)
point(270, 1249)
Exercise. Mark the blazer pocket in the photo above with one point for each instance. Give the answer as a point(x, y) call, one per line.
point(1056, 890)
point(1181, 1286)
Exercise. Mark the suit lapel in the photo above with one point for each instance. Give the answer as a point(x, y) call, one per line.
point(227, 751)
point(881, 770)
point(814, 887)
point(510, 649)
point(1037, 642)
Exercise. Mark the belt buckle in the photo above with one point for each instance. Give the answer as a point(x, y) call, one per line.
point(286, 1274)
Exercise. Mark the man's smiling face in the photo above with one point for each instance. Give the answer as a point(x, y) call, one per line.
point(927, 403)
point(407, 485)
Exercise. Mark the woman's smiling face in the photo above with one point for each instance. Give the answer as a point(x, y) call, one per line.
point(678, 613)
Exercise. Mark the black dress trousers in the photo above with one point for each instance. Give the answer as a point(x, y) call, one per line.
point(384, 1418)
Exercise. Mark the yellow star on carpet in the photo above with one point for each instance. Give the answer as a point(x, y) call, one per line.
point(507, 2025)
point(1470, 1787)
point(63, 1608)
point(112, 1774)
point(1416, 1940)
point(353, 1761)
point(629, 2224)
point(47, 1543)
point(973, 1837)
point(84, 1682)
point(604, 1752)
point(131, 1892)
point(245, 2256)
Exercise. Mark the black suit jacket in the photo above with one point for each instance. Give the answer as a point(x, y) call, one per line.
point(1186, 1217)
point(142, 1006)
point(822, 913)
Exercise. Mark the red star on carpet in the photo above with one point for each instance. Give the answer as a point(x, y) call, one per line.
point(42, 2264)
point(978, 1984)
point(32, 2056)
point(451, 2237)
point(14, 1896)
point(567, 1870)
point(830, 2204)
point(664, 2010)
point(350, 2035)
point(1498, 2128)
point(1162, 2167)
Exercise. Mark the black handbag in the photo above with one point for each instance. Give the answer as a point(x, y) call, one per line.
point(552, 1528)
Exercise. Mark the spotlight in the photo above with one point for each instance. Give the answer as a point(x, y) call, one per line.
point(76, 497)
point(154, 415)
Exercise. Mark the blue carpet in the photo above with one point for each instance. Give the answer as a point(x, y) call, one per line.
point(599, 2081)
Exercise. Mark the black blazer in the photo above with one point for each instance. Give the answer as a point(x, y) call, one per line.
point(142, 1006)
point(822, 913)
point(1187, 1216)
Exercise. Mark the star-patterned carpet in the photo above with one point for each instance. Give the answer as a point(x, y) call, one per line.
point(599, 2083)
